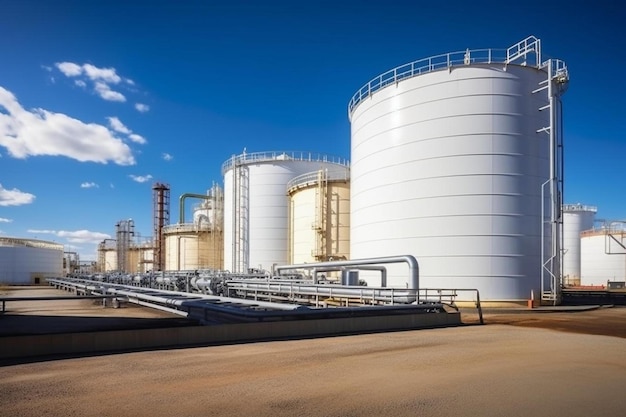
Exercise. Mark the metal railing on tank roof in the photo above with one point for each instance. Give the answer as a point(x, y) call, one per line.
point(254, 157)
point(424, 66)
point(313, 177)
point(525, 52)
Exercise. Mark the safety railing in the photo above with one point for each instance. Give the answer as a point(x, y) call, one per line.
point(426, 65)
point(313, 177)
point(254, 157)
point(449, 296)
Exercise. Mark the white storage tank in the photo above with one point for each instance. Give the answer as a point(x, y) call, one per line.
point(449, 160)
point(256, 207)
point(576, 219)
point(319, 216)
point(602, 255)
point(29, 261)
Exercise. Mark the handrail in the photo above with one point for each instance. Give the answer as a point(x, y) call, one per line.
point(530, 45)
point(255, 157)
point(313, 177)
point(424, 66)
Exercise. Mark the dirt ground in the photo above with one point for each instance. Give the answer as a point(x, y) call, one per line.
point(519, 364)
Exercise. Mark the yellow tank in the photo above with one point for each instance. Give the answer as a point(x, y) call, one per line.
point(192, 246)
point(319, 216)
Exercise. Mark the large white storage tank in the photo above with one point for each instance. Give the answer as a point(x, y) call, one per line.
point(319, 216)
point(29, 261)
point(450, 158)
point(256, 207)
point(603, 255)
point(576, 219)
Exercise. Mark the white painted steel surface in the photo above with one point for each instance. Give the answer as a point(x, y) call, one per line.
point(449, 166)
point(319, 216)
point(602, 257)
point(576, 219)
point(29, 261)
point(256, 205)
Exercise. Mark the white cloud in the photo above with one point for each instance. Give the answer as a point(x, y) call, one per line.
point(14, 197)
point(3, 220)
point(69, 69)
point(166, 156)
point(40, 132)
point(101, 78)
point(142, 108)
point(137, 139)
point(77, 236)
point(89, 185)
point(118, 126)
point(107, 75)
point(141, 178)
point(105, 92)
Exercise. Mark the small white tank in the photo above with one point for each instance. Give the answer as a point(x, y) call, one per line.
point(29, 261)
point(602, 255)
point(256, 206)
point(576, 219)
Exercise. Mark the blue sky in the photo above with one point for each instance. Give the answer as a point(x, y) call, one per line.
point(101, 99)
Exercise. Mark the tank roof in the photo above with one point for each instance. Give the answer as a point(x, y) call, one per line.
point(33, 243)
point(259, 157)
point(525, 53)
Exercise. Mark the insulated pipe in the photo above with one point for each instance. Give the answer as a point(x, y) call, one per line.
point(409, 259)
point(181, 208)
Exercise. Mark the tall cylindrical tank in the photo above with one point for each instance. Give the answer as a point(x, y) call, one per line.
point(256, 207)
point(451, 156)
point(319, 216)
point(602, 255)
point(576, 219)
point(29, 261)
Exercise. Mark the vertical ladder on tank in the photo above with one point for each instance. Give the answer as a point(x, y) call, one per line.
point(320, 224)
point(240, 250)
point(528, 52)
point(552, 188)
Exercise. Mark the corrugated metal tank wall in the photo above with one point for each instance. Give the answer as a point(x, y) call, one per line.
point(29, 261)
point(256, 207)
point(449, 166)
point(576, 219)
point(602, 256)
point(189, 247)
point(319, 216)
point(110, 260)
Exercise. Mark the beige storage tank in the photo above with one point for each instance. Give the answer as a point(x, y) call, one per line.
point(192, 246)
point(319, 216)
point(140, 259)
point(197, 245)
point(603, 255)
point(110, 260)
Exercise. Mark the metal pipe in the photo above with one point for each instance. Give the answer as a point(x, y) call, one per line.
point(409, 259)
point(181, 207)
point(382, 269)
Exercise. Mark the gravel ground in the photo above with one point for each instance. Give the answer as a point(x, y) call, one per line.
point(509, 367)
